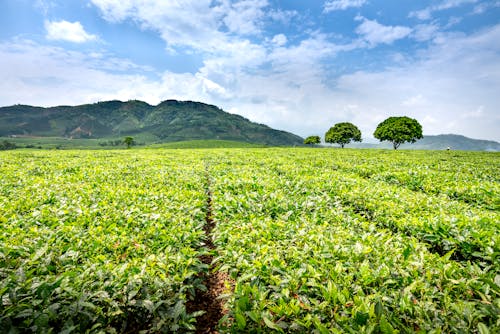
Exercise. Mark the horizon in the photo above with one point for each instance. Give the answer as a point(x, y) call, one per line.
point(294, 66)
point(370, 140)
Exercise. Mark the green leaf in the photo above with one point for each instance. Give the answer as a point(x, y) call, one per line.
point(361, 318)
point(240, 321)
point(322, 329)
point(254, 315)
point(244, 303)
point(448, 255)
point(271, 324)
point(178, 309)
point(39, 253)
point(407, 252)
point(385, 326)
point(482, 328)
point(42, 321)
point(379, 309)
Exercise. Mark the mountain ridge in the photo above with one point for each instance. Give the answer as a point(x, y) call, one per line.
point(440, 142)
point(170, 120)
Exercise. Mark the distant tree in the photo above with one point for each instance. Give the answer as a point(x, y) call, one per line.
point(311, 140)
point(342, 134)
point(129, 141)
point(399, 130)
point(7, 145)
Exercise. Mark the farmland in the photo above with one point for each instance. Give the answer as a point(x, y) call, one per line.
point(308, 240)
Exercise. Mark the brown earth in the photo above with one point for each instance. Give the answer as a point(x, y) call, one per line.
point(215, 282)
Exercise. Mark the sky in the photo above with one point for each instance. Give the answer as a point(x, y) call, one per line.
point(295, 65)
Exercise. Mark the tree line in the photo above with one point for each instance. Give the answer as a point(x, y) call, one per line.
point(397, 130)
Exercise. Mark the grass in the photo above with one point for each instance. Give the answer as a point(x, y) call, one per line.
point(206, 144)
point(103, 143)
point(54, 142)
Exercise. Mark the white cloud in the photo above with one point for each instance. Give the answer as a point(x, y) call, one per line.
point(425, 32)
point(310, 51)
point(485, 6)
point(416, 100)
point(279, 40)
point(451, 87)
point(204, 25)
point(445, 89)
point(426, 13)
point(447, 4)
point(192, 23)
point(42, 75)
point(375, 33)
point(333, 5)
point(243, 17)
point(68, 31)
point(454, 83)
point(282, 16)
point(452, 21)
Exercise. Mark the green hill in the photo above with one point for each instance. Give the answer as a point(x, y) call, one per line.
point(170, 121)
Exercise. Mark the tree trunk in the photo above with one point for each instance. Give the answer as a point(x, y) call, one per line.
point(342, 145)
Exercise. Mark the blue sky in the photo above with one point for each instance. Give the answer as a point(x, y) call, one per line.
point(295, 65)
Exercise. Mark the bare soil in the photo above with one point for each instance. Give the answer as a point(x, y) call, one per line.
point(209, 300)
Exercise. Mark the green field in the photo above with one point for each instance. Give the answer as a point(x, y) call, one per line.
point(117, 143)
point(310, 240)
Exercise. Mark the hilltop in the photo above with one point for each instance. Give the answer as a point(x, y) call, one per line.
point(168, 121)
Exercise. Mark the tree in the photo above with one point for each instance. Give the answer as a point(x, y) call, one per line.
point(399, 130)
point(129, 141)
point(343, 133)
point(7, 145)
point(312, 140)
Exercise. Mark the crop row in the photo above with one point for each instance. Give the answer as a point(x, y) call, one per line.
point(303, 262)
point(314, 240)
point(99, 241)
point(471, 232)
point(445, 225)
point(472, 178)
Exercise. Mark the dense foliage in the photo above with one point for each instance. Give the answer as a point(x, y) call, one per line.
point(7, 145)
point(94, 241)
point(342, 134)
point(399, 130)
point(357, 241)
point(169, 121)
point(312, 140)
point(335, 244)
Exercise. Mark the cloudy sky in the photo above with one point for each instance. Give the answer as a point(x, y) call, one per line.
point(295, 65)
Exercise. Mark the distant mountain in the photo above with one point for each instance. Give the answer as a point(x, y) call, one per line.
point(455, 142)
point(442, 142)
point(169, 121)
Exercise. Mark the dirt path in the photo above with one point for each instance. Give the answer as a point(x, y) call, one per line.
point(208, 301)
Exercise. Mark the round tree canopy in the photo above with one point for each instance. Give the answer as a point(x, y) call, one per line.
point(342, 134)
point(399, 130)
point(312, 140)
